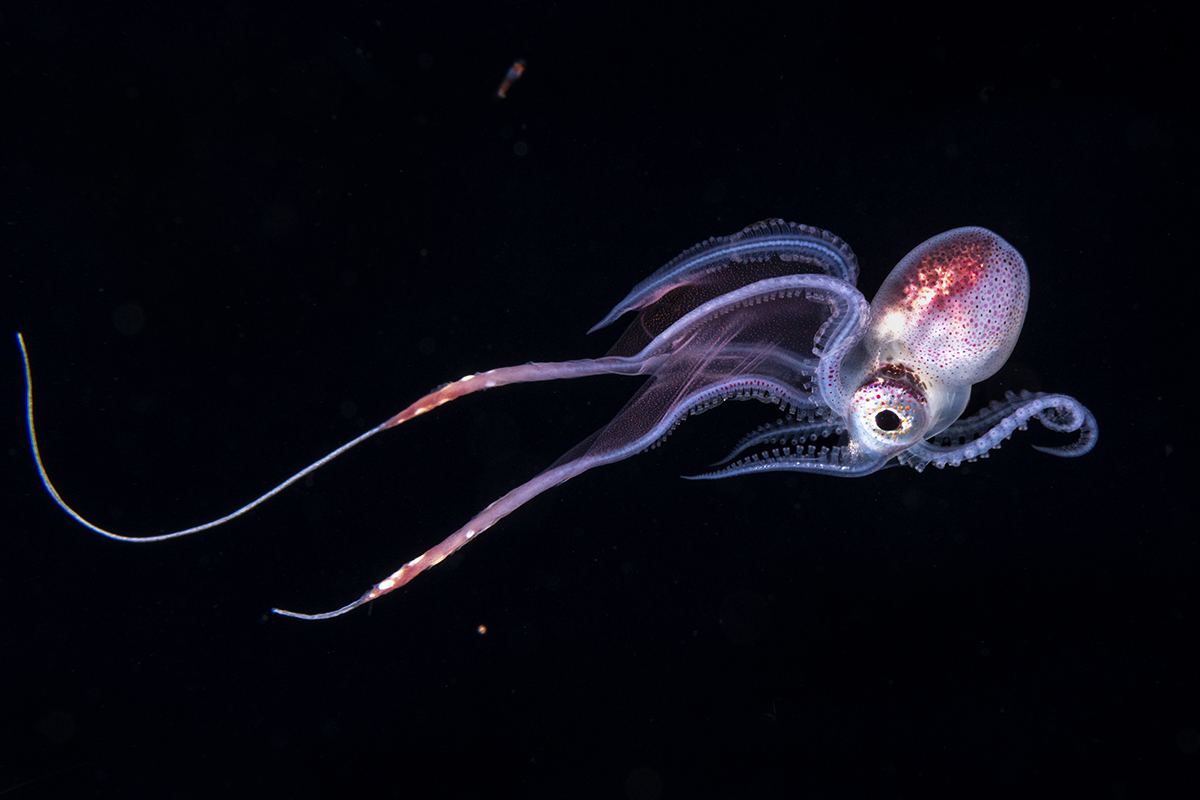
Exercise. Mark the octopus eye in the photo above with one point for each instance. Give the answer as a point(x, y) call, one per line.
point(887, 416)
point(888, 420)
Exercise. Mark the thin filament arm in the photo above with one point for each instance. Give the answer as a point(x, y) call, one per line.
point(587, 455)
point(41, 467)
point(485, 519)
point(451, 391)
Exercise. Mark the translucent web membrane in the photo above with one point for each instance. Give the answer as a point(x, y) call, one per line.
point(724, 348)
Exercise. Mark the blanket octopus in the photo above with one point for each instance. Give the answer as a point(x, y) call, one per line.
point(773, 313)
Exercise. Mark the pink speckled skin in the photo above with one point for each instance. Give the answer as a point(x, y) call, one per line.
point(947, 316)
point(952, 309)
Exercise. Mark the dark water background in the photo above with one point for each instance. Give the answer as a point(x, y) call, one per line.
point(237, 236)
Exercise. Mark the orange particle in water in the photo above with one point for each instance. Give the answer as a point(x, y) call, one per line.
point(514, 72)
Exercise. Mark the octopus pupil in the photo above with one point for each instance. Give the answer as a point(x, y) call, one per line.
point(887, 420)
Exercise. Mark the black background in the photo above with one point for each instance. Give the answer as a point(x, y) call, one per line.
point(237, 235)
